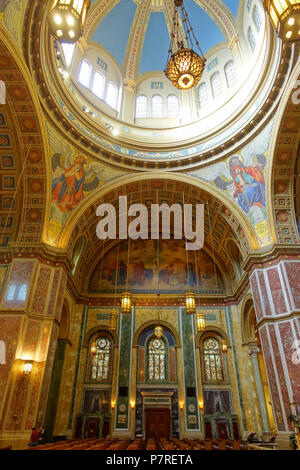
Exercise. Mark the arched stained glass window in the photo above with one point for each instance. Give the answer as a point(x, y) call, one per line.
point(101, 360)
point(212, 360)
point(216, 84)
point(157, 106)
point(230, 73)
point(203, 95)
point(141, 106)
point(173, 106)
point(112, 95)
point(85, 73)
point(157, 355)
point(257, 18)
point(98, 85)
point(251, 38)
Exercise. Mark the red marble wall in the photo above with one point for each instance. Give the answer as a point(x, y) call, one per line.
point(41, 290)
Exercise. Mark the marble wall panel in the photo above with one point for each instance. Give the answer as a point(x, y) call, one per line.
point(41, 290)
point(256, 297)
point(293, 274)
point(9, 333)
point(264, 292)
point(20, 274)
point(287, 340)
point(276, 290)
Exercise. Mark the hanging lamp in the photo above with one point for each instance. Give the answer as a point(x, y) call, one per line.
point(285, 17)
point(66, 19)
point(184, 66)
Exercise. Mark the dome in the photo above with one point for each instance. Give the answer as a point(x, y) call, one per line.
point(111, 86)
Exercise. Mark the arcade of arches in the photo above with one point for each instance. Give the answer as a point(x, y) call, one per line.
point(232, 144)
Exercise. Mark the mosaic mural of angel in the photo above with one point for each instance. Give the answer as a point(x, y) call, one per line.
point(70, 181)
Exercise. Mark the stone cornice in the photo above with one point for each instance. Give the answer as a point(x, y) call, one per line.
point(45, 253)
point(270, 254)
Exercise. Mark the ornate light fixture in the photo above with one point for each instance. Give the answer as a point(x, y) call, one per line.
point(113, 321)
point(190, 303)
point(27, 367)
point(285, 17)
point(66, 19)
point(184, 66)
point(158, 331)
point(93, 349)
point(224, 346)
point(126, 303)
point(200, 321)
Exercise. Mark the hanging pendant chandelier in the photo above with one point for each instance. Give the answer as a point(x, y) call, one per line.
point(200, 321)
point(184, 66)
point(67, 18)
point(126, 303)
point(190, 303)
point(113, 321)
point(285, 17)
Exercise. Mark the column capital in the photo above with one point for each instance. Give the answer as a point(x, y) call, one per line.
point(253, 351)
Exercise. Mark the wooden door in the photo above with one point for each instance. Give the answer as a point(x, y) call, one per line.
point(157, 423)
point(222, 431)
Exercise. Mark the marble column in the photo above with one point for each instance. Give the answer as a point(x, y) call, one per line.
point(276, 295)
point(30, 311)
point(253, 353)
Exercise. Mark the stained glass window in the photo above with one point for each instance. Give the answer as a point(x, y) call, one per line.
point(173, 106)
point(257, 18)
point(101, 360)
point(251, 38)
point(141, 106)
point(216, 84)
point(85, 73)
point(203, 95)
point(112, 95)
point(212, 360)
point(98, 85)
point(157, 360)
point(157, 106)
point(230, 73)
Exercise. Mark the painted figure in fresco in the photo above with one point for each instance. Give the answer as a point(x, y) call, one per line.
point(70, 181)
point(122, 273)
point(67, 189)
point(138, 272)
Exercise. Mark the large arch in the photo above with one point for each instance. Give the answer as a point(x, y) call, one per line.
point(24, 139)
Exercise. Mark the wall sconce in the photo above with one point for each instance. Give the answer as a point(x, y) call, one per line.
point(181, 404)
point(27, 367)
point(132, 404)
point(93, 348)
point(113, 404)
point(201, 405)
point(224, 346)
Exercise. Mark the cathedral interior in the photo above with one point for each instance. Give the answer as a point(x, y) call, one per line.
point(97, 336)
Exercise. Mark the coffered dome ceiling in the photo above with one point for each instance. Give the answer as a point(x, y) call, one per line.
point(127, 41)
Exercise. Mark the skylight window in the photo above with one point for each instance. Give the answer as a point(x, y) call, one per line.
point(85, 73)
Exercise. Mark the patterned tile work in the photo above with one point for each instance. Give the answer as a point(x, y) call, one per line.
point(283, 173)
point(20, 141)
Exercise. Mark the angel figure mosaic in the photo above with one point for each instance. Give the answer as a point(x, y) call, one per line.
point(68, 184)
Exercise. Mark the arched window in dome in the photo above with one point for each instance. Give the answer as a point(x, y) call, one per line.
point(157, 360)
point(203, 95)
point(157, 106)
point(173, 106)
point(251, 38)
point(212, 360)
point(85, 73)
point(216, 84)
point(98, 84)
point(101, 360)
point(257, 18)
point(230, 73)
point(68, 50)
point(112, 95)
point(141, 106)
